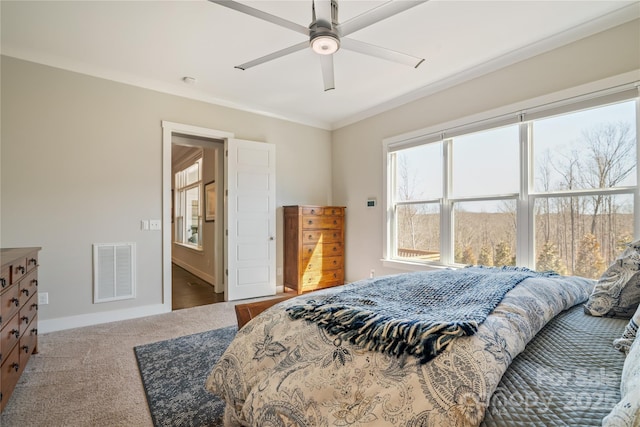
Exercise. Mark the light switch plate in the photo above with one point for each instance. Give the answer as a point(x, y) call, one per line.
point(155, 224)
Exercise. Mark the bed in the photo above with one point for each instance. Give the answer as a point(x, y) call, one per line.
point(296, 365)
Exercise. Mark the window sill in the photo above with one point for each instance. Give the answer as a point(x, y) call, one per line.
point(193, 248)
point(413, 266)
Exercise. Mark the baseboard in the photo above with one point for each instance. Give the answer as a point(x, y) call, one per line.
point(201, 274)
point(78, 321)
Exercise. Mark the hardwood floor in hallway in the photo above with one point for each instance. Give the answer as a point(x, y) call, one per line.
point(188, 290)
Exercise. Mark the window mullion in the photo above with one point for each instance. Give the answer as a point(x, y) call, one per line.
point(446, 229)
point(524, 225)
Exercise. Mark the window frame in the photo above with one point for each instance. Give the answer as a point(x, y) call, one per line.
point(179, 192)
point(525, 198)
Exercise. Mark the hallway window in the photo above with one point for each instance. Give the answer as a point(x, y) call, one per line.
point(188, 204)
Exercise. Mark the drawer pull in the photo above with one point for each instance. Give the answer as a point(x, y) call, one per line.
point(21, 268)
point(34, 331)
point(34, 305)
point(15, 366)
point(16, 301)
point(25, 291)
point(33, 261)
point(15, 332)
point(3, 282)
point(0, 320)
point(310, 221)
point(313, 211)
point(25, 319)
point(25, 348)
point(35, 282)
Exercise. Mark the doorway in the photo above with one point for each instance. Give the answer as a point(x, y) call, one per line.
point(195, 165)
point(196, 265)
point(246, 196)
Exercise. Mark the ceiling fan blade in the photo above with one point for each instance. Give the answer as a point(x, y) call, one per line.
point(262, 15)
point(326, 62)
point(381, 52)
point(376, 14)
point(274, 55)
point(323, 13)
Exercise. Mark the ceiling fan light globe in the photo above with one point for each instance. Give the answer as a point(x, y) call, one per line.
point(325, 45)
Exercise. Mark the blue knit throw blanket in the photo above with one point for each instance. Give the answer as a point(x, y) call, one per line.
point(414, 313)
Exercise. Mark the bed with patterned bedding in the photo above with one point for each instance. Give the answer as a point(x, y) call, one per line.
point(296, 365)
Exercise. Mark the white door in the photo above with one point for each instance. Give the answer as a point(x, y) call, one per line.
point(250, 223)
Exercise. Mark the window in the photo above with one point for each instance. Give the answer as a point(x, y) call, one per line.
point(553, 189)
point(188, 206)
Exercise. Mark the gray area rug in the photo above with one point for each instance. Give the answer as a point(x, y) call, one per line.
point(173, 373)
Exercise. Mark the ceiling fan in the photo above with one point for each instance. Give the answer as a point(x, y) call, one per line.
point(327, 35)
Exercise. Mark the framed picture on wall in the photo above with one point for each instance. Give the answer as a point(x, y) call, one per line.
point(210, 201)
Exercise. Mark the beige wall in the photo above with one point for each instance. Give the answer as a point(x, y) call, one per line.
point(607, 54)
point(81, 164)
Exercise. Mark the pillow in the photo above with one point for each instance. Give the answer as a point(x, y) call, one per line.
point(617, 292)
point(624, 342)
point(627, 412)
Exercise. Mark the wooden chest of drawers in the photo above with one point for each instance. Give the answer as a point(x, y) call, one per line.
point(18, 315)
point(313, 247)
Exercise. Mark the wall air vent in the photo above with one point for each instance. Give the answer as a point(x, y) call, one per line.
point(114, 271)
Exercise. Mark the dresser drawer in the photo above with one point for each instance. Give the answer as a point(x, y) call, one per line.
point(28, 312)
point(323, 279)
point(324, 236)
point(28, 286)
point(9, 336)
point(315, 222)
point(312, 210)
point(32, 261)
point(322, 210)
point(10, 302)
point(323, 264)
point(10, 368)
point(18, 269)
point(5, 277)
point(28, 342)
point(321, 250)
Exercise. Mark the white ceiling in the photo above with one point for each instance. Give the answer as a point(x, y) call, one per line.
point(154, 44)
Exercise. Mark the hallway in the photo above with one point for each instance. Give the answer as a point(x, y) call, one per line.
point(191, 291)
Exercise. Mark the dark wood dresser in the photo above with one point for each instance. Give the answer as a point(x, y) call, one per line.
point(18, 315)
point(313, 247)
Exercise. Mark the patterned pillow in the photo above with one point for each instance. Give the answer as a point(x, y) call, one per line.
point(627, 412)
point(624, 342)
point(617, 292)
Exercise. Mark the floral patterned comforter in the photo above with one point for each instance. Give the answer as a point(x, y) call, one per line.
point(283, 372)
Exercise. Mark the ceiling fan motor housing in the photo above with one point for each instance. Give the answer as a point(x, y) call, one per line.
point(323, 38)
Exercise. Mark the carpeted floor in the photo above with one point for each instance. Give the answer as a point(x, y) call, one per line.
point(174, 372)
point(89, 376)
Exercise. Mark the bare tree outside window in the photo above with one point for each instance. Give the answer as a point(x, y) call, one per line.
point(583, 234)
point(582, 190)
